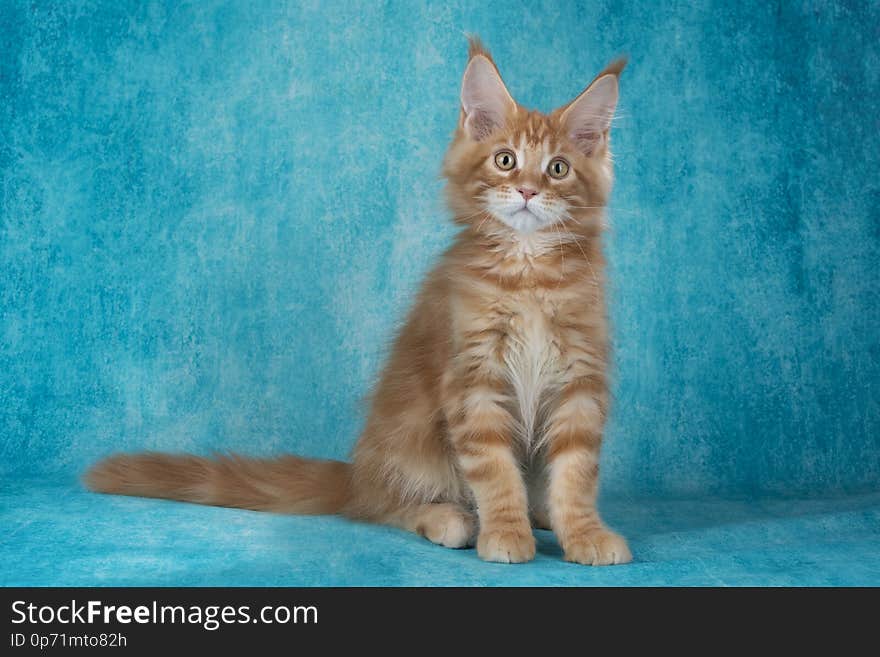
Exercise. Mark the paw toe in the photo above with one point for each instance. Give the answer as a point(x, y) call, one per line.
point(598, 548)
point(506, 545)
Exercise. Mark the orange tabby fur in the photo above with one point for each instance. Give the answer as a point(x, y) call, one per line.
point(489, 413)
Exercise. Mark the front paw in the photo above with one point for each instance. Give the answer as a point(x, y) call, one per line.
point(599, 547)
point(508, 544)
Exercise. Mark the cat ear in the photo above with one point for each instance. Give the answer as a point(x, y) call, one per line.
point(588, 117)
point(485, 101)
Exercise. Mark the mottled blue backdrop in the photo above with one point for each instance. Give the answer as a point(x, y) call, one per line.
point(213, 214)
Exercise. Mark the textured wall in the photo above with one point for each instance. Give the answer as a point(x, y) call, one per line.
point(213, 213)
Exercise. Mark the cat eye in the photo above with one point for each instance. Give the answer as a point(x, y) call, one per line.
point(505, 160)
point(558, 168)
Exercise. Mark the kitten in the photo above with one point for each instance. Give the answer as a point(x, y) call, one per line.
point(488, 416)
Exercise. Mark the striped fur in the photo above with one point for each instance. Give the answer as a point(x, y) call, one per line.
point(488, 415)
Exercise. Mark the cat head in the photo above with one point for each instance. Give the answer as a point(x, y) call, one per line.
point(512, 169)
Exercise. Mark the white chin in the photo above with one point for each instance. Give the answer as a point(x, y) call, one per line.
point(523, 221)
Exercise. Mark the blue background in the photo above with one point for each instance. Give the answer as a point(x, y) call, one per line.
point(214, 214)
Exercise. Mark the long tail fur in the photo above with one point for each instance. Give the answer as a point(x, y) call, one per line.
point(288, 484)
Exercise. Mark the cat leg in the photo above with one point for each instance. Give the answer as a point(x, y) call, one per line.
point(443, 523)
point(482, 440)
point(493, 475)
point(573, 439)
point(541, 519)
point(536, 484)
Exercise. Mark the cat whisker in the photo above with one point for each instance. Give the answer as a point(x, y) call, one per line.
point(470, 216)
point(561, 252)
point(485, 219)
point(583, 253)
point(604, 207)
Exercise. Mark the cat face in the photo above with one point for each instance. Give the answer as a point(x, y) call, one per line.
point(526, 176)
point(512, 169)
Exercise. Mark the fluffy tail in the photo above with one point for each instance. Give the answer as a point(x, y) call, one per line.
point(287, 484)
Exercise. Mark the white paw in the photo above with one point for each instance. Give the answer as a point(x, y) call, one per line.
point(506, 544)
point(450, 526)
point(599, 547)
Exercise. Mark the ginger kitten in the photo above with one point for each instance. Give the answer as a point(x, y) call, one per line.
point(488, 416)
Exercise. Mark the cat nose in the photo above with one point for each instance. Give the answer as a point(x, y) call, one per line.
point(526, 193)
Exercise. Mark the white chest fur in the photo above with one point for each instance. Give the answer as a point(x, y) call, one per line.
point(532, 360)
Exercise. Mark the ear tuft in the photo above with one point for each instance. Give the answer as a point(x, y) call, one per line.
point(615, 68)
point(476, 47)
point(485, 101)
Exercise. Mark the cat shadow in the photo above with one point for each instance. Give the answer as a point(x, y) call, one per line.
point(641, 520)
